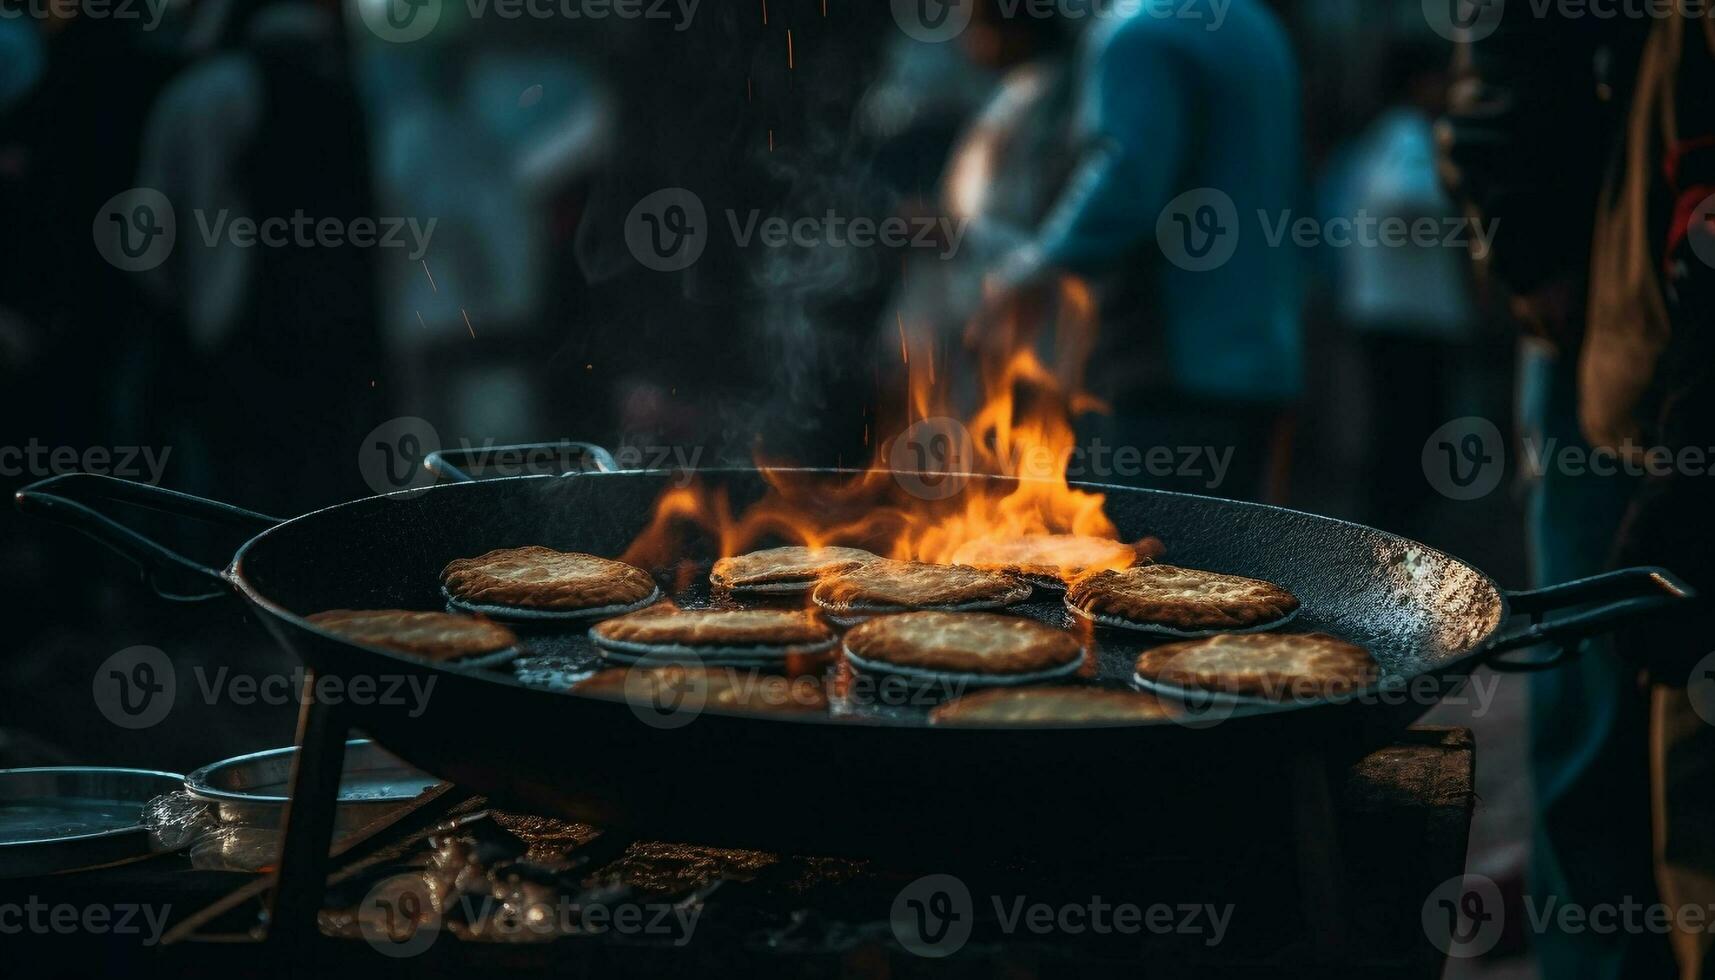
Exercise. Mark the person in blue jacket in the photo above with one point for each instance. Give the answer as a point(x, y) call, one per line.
point(1184, 159)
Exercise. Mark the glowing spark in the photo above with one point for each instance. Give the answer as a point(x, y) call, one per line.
point(467, 325)
point(791, 60)
point(420, 322)
point(431, 275)
point(765, 12)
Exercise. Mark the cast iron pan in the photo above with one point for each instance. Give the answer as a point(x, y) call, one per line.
point(868, 781)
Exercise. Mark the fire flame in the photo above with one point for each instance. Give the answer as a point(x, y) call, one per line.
point(1021, 428)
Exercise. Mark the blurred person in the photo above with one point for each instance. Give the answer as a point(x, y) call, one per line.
point(1408, 305)
point(1588, 139)
point(1157, 104)
point(77, 351)
point(284, 359)
point(491, 130)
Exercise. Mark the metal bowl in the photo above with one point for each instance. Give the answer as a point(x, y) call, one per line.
point(250, 790)
point(68, 818)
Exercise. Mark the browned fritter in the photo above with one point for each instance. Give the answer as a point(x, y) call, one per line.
point(964, 643)
point(1062, 705)
point(790, 569)
point(1179, 598)
point(665, 626)
point(721, 687)
point(1268, 665)
point(545, 579)
point(432, 635)
point(900, 586)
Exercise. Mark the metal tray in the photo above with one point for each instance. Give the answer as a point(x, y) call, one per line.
point(69, 818)
point(251, 789)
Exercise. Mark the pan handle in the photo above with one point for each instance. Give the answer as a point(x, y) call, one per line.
point(456, 464)
point(61, 499)
point(1627, 596)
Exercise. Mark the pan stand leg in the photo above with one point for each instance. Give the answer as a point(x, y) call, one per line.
point(309, 820)
point(1321, 870)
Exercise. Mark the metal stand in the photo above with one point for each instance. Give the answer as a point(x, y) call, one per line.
point(1321, 868)
point(302, 869)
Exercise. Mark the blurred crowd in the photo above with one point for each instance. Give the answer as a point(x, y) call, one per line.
point(517, 158)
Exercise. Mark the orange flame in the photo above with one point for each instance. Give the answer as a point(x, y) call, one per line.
point(1022, 428)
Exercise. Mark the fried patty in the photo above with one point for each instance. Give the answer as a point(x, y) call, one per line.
point(982, 644)
point(784, 570)
point(1050, 560)
point(1063, 705)
point(542, 581)
point(432, 635)
point(1276, 666)
point(1182, 601)
point(719, 687)
point(887, 586)
point(716, 634)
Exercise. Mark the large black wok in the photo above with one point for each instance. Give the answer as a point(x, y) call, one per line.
point(871, 784)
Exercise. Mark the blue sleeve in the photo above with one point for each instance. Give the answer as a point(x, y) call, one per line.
point(1133, 122)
